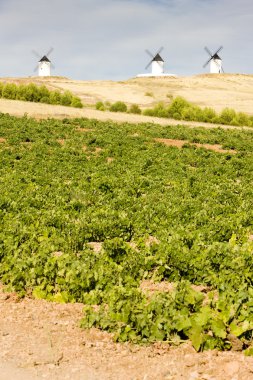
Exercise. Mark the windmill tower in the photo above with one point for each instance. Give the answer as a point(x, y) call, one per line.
point(157, 63)
point(44, 64)
point(215, 61)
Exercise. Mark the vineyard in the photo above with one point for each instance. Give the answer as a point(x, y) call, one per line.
point(155, 239)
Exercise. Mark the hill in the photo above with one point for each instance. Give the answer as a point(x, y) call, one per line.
point(216, 91)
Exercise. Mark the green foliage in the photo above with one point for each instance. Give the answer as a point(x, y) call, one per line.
point(9, 91)
point(66, 98)
point(158, 213)
point(42, 94)
point(134, 108)
point(227, 115)
point(76, 102)
point(118, 107)
point(55, 97)
point(100, 106)
point(181, 109)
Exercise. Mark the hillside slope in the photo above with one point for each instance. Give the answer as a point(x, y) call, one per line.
point(216, 91)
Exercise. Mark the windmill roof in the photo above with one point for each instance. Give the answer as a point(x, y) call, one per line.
point(44, 59)
point(216, 56)
point(158, 58)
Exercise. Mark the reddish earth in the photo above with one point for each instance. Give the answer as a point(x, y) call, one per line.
point(181, 143)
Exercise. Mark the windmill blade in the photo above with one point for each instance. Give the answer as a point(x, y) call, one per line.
point(207, 62)
point(220, 48)
point(208, 51)
point(160, 50)
point(49, 51)
point(36, 54)
point(53, 66)
point(150, 54)
point(149, 64)
point(36, 68)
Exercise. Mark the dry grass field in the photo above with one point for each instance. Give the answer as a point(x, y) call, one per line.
point(212, 90)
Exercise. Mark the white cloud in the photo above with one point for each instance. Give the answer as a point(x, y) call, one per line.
point(106, 39)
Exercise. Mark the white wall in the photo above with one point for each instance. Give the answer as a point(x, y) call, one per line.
point(44, 69)
point(216, 66)
point(157, 67)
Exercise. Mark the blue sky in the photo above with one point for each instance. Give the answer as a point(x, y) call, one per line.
point(106, 39)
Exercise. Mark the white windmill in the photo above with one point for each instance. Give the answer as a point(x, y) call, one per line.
point(157, 66)
point(215, 61)
point(157, 63)
point(44, 64)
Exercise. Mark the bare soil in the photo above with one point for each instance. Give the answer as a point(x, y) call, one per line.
point(42, 340)
point(180, 143)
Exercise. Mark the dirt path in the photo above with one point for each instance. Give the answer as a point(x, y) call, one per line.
point(42, 340)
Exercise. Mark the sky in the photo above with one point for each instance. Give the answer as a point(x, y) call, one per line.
point(107, 39)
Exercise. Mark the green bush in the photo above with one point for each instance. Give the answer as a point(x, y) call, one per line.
point(76, 102)
point(134, 108)
point(227, 115)
point(242, 119)
point(159, 110)
point(177, 106)
point(45, 99)
point(9, 91)
point(100, 106)
point(55, 97)
point(66, 98)
point(118, 107)
point(181, 109)
point(41, 94)
point(208, 114)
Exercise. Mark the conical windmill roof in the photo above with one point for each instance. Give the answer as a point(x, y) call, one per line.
point(158, 58)
point(44, 59)
point(216, 56)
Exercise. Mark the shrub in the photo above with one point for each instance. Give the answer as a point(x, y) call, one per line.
point(227, 115)
point(177, 106)
point(42, 94)
point(181, 109)
point(76, 102)
point(66, 98)
point(43, 91)
point(100, 106)
point(55, 97)
point(208, 114)
point(45, 99)
point(118, 107)
point(134, 108)
point(21, 92)
point(242, 119)
point(149, 112)
point(9, 91)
